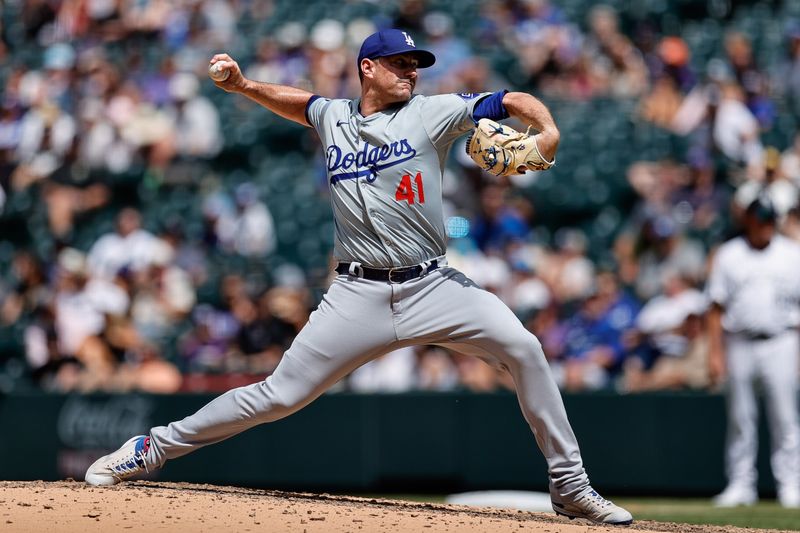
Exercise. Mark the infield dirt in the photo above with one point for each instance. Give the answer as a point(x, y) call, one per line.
point(74, 507)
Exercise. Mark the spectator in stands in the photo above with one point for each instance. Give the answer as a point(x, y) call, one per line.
point(281, 59)
point(450, 49)
point(787, 79)
point(29, 291)
point(250, 230)
point(790, 161)
point(79, 325)
point(188, 254)
point(551, 331)
point(735, 128)
point(409, 15)
point(593, 345)
point(163, 296)
point(664, 248)
point(623, 306)
point(393, 372)
point(101, 146)
point(195, 120)
point(207, 346)
point(672, 79)
point(717, 110)
point(129, 246)
point(10, 130)
point(50, 369)
point(568, 271)
point(70, 190)
point(46, 135)
point(328, 59)
point(262, 338)
point(655, 183)
point(476, 375)
point(700, 202)
point(547, 48)
point(473, 75)
point(662, 103)
point(435, 369)
point(498, 224)
point(145, 19)
point(527, 293)
point(142, 126)
point(617, 67)
point(748, 76)
point(783, 193)
point(673, 350)
point(289, 304)
point(674, 62)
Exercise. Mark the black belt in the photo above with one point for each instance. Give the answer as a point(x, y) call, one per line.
point(392, 275)
point(758, 336)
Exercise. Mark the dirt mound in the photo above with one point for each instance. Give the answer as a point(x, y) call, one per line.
point(67, 507)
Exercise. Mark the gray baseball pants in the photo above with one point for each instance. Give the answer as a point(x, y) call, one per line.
point(359, 320)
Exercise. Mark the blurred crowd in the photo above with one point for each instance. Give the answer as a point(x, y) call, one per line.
point(105, 108)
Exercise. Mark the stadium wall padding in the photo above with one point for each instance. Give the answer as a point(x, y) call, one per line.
point(649, 444)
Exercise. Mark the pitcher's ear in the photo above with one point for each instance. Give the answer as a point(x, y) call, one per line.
point(367, 68)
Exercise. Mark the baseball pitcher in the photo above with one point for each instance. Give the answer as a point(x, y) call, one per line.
point(385, 153)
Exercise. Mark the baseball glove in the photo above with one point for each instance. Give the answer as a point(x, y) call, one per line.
point(503, 151)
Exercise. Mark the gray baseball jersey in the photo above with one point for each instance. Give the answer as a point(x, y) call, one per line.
point(385, 175)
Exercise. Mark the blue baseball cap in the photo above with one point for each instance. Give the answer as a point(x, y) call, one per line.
point(390, 42)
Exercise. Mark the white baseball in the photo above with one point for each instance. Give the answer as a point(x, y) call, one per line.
point(215, 72)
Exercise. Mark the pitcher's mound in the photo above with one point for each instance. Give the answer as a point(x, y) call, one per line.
point(74, 507)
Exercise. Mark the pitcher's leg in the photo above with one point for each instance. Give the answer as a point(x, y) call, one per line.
point(351, 326)
point(458, 314)
point(520, 352)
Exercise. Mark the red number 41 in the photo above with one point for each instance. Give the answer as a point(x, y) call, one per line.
point(406, 192)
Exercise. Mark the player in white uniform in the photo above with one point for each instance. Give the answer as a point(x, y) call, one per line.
point(385, 155)
point(754, 287)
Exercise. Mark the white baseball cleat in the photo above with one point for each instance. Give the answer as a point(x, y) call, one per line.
point(129, 460)
point(735, 496)
point(595, 508)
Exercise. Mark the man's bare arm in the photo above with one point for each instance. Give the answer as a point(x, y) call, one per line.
point(288, 102)
point(530, 110)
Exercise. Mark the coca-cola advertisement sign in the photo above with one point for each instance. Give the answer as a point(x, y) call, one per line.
point(98, 424)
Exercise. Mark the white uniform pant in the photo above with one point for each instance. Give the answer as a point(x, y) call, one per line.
point(773, 364)
point(359, 320)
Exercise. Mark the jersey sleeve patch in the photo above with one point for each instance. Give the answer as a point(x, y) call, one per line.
point(468, 96)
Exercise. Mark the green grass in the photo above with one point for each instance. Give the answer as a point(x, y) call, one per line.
point(765, 515)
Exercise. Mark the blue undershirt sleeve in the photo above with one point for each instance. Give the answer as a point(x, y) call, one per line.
point(491, 107)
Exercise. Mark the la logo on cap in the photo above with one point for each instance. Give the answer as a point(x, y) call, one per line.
point(409, 40)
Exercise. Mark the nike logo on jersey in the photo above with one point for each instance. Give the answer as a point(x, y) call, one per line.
point(340, 123)
point(368, 161)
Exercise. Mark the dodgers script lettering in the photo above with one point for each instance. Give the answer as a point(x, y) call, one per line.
point(370, 158)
